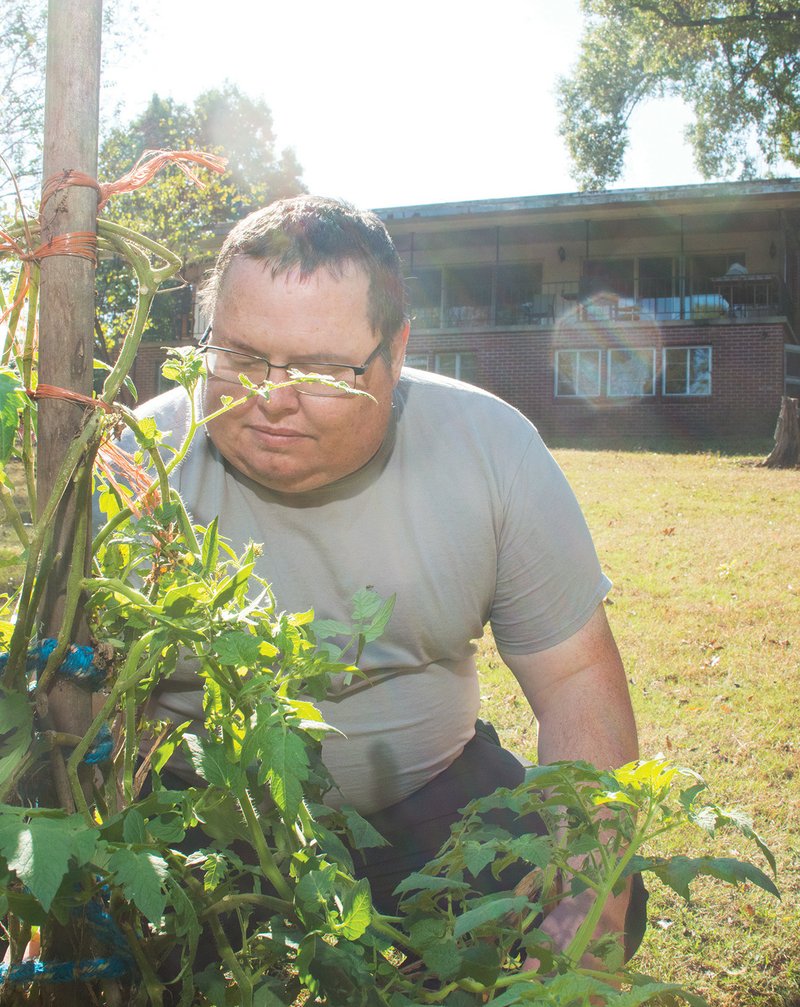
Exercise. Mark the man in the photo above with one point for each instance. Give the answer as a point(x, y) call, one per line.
point(428, 489)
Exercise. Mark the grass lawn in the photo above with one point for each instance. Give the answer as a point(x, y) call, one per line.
point(704, 553)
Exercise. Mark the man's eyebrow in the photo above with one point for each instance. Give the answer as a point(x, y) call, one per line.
point(299, 358)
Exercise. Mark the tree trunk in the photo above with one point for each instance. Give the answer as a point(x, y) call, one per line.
point(786, 453)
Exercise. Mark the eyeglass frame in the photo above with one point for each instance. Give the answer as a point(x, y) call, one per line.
point(358, 369)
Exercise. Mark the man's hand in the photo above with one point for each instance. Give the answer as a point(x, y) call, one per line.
point(564, 921)
point(579, 695)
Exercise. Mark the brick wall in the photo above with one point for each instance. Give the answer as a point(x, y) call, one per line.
point(747, 377)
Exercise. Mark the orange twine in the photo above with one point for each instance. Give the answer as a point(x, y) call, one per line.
point(153, 161)
point(113, 461)
point(54, 392)
point(80, 243)
point(84, 243)
point(140, 174)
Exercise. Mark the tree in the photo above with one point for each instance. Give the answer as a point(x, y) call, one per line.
point(22, 67)
point(735, 62)
point(186, 218)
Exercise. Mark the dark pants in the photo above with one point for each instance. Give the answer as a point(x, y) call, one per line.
point(418, 827)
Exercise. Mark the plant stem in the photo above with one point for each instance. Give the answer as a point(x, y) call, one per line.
point(265, 858)
point(43, 529)
point(579, 943)
point(75, 577)
point(13, 515)
point(121, 686)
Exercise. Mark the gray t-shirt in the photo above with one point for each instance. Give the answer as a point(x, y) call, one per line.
point(462, 514)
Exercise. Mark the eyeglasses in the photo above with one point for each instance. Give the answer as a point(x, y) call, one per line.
point(226, 365)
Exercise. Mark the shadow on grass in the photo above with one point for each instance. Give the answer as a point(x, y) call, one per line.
point(729, 447)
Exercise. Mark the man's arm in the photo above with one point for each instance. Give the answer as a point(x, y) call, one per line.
point(579, 695)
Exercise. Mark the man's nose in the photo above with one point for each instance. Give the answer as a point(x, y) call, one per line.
point(283, 398)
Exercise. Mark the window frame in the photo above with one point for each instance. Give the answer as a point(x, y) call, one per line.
point(687, 394)
point(630, 395)
point(578, 351)
point(459, 356)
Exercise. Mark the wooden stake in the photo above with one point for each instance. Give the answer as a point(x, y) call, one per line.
point(66, 330)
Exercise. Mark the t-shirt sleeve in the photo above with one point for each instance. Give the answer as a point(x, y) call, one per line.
point(549, 580)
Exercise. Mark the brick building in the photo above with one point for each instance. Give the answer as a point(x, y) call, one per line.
point(631, 312)
point(635, 312)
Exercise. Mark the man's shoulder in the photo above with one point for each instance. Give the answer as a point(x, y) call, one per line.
point(174, 403)
point(172, 414)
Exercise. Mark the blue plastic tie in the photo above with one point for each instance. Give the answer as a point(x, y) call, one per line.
point(78, 662)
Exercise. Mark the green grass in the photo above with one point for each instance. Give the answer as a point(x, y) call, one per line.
point(12, 566)
point(704, 552)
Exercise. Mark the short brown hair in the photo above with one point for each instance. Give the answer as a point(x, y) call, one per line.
point(309, 233)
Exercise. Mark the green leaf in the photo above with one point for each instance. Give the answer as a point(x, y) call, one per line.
point(16, 728)
point(232, 587)
point(133, 830)
point(284, 764)
point(430, 883)
point(366, 603)
point(325, 628)
point(185, 920)
point(536, 850)
point(238, 649)
point(679, 872)
point(427, 931)
point(181, 599)
point(39, 851)
point(208, 761)
point(142, 876)
point(379, 621)
point(481, 962)
point(364, 835)
point(315, 890)
point(488, 911)
point(215, 868)
point(477, 856)
point(356, 910)
point(264, 997)
point(443, 958)
point(210, 552)
point(12, 401)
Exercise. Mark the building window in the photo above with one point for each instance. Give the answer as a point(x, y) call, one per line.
point(607, 276)
point(468, 299)
point(425, 295)
point(703, 267)
point(463, 366)
point(461, 297)
point(419, 361)
point(631, 373)
point(577, 373)
point(656, 276)
point(519, 299)
point(687, 370)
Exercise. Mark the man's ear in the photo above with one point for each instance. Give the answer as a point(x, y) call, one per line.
point(399, 350)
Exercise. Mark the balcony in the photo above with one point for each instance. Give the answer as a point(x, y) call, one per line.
point(744, 296)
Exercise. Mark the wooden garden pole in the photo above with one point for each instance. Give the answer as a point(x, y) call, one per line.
point(67, 305)
point(66, 329)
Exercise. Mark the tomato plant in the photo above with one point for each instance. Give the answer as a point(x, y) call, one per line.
point(231, 881)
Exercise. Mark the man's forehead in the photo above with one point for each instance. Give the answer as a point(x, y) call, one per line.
point(338, 271)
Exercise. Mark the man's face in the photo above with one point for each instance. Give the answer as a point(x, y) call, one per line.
point(294, 442)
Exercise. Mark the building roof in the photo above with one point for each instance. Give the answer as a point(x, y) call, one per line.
point(696, 198)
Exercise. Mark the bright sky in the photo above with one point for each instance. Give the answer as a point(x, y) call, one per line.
point(387, 104)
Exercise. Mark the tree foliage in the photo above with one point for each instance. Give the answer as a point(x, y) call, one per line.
point(736, 63)
point(186, 217)
point(23, 55)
